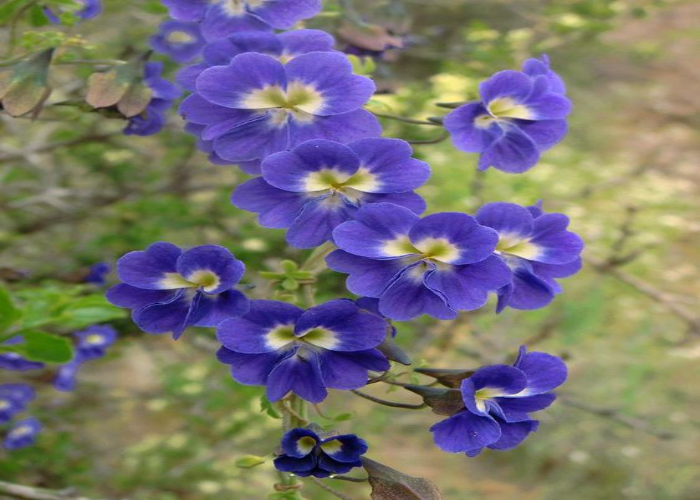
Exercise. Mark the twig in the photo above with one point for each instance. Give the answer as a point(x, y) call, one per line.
point(612, 414)
point(330, 490)
point(442, 137)
point(389, 403)
point(403, 119)
point(30, 493)
point(351, 479)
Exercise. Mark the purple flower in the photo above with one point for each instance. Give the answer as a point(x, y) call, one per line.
point(284, 46)
point(16, 362)
point(22, 434)
point(164, 94)
point(179, 40)
point(97, 274)
point(91, 9)
point(520, 115)
point(220, 18)
point(437, 265)
point(538, 249)
point(305, 454)
point(321, 184)
point(257, 106)
point(170, 289)
point(13, 400)
point(306, 352)
point(92, 344)
point(498, 400)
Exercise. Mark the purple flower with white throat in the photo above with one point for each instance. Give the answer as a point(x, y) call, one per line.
point(437, 265)
point(178, 40)
point(284, 46)
point(92, 343)
point(537, 247)
point(91, 9)
point(163, 94)
point(497, 402)
point(287, 349)
point(22, 434)
point(321, 184)
point(305, 453)
point(257, 106)
point(220, 18)
point(170, 289)
point(97, 274)
point(520, 115)
point(13, 400)
point(16, 362)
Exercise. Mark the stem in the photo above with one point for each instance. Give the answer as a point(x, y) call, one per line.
point(330, 490)
point(30, 493)
point(389, 403)
point(442, 137)
point(99, 62)
point(403, 119)
point(316, 257)
point(12, 39)
point(351, 479)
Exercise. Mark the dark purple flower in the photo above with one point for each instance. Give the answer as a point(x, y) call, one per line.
point(305, 453)
point(437, 265)
point(22, 434)
point(538, 249)
point(520, 115)
point(257, 106)
point(284, 46)
point(13, 400)
point(498, 400)
point(170, 289)
point(220, 18)
point(98, 273)
point(91, 9)
point(164, 94)
point(178, 40)
point(92, 343)
point(16, 362)
point(321, 184)
point(306, 352)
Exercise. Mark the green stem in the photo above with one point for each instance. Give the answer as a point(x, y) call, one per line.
point(403, 119)
point(315, 262)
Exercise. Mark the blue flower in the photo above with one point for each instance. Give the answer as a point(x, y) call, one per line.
point(220, 18)
point(164, 94)
point(284, 46)
point(97, 275)
point(22, 434)
point(16, 362)
point(179, 40)
point(305, 454)
point(321, 184)
point(306, 352)
point(91, 9)
point(92, 344)
point(437, 265)
point(170, 289)
point(538, 249)
point(520, 115)
point(497, 402)
point(13, 400)
point(257, 106)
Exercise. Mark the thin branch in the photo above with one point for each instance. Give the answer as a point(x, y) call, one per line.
point(350, 479)
point(389, 403)
point(403, 119)
point(30, 493)
point(330, 490)
point(612, 414)
point(442, 137)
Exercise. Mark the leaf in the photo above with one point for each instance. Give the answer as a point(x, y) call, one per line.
point(135, 101)
point(8, 10)
point(249, 461)
point(45, 347)
point(105, 89)
point(390, 484)
point(441, 401)
point(87, 311)
point(9, 314)
point(267, 407)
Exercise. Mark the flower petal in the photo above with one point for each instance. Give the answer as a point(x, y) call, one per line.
point(464, 432)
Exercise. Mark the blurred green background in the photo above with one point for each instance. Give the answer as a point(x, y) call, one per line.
point(162, 420)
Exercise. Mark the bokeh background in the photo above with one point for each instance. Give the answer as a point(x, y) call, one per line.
point(161, 420)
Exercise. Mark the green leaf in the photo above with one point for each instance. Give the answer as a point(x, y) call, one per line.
point(267, 407)
point(37, 17)
point(45, 347)
point(9, 314)
point(344, 417)
point(87, 311)
point(249, 461)
point(9, 9)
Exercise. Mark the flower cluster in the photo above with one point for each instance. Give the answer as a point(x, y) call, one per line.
point(92, 343)
point(169, 289)
point(520, 115)
point(16, 362)
point(497, 402)
point(13, 400)
point(178, 40)
point(90, 9)
point(305, 453)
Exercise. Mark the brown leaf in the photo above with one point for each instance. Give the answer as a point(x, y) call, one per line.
point(105, 89)
point(369, 36)
point(26, 98)
point(448, 378)
point(390, 484)
point(441, 401)
point(135, 101)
